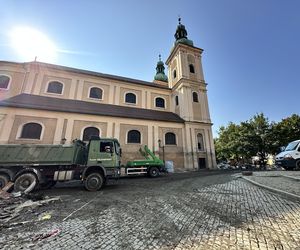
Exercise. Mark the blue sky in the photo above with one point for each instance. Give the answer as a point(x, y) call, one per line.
point(251, 48)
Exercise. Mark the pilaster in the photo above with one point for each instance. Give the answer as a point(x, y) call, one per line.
point(58, 131)
point(7, 122)
point(79, 90)
point(109, 130)
point(69, 130)
point(117, 131)
point(112, 90)
point(72, 89)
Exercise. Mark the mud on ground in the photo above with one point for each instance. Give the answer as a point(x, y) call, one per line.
point(196, 210)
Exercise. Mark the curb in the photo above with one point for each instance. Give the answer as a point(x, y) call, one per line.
point(294, 196)
point(291, 177)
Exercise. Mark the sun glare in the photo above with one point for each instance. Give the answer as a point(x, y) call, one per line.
point(30, 44)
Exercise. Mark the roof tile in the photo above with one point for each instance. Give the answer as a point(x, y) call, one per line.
point(84, 107)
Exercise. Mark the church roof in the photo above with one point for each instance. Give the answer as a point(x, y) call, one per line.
point(83, 107)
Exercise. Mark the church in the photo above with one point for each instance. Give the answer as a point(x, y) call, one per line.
point(51, 104)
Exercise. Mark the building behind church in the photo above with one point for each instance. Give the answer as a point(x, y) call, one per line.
point(50, 104)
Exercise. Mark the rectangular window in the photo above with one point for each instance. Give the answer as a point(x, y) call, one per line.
point(106, 147)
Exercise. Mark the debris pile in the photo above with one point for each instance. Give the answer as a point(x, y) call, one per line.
point(46, 235)
point(19, 208)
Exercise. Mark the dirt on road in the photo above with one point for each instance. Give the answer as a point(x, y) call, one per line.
point(195, 210)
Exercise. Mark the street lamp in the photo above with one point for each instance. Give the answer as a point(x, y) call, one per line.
point(163, 149)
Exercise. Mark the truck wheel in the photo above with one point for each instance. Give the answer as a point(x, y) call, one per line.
point(153, 172)
point(24, 181)
point(297, 165)
point(4, 179)
point(93, 182)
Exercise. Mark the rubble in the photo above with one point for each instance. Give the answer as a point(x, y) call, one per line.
point(15, 207)
point(4, 192)
point(46, 216)
point(46, 235)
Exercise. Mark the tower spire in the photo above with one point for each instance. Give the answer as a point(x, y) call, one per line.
point(160, 71)
point(181, 34)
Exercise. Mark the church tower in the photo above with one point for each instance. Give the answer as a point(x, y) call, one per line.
point(189, 94)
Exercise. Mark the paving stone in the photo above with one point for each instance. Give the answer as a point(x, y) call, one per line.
point(230, 215)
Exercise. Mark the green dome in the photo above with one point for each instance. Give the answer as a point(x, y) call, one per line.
point(160, 63)
point(181, 35)
point(160, 71)
point(184, 41)
point(161, 77)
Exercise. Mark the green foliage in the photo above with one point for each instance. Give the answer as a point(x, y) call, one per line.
point(255, 137)
point(285, 131)
point(227, 145)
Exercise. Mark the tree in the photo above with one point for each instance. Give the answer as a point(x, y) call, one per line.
point(228, 144)
point(256, 137)
point(241, 142)
point(285, 131)
point(259, 136)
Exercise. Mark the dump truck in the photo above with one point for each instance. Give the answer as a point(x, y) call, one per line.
point(37, 165)
point(151, 165)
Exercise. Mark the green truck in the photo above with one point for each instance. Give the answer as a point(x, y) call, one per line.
point(44, 165)
point(37, 165)
point(152, 165)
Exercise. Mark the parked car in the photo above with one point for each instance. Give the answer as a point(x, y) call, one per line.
point(290, 158)
point(223, 166)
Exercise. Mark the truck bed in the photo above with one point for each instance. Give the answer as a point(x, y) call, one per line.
point(39, 154)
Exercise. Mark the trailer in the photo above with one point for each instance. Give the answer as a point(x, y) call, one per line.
point(151, 165)
point(43, 165)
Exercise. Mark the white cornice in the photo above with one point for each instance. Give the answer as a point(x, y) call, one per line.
point(184, 47)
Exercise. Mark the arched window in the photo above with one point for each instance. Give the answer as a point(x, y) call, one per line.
point(88, 132)
point(134, 136)
point(174, 74)
point(176, 100)
point(4, 82)
point(170, 138)
point(192, 69)
point(195, 97)
point(200, 142)
point(55, 87)
point(160, 102)
point(130, 98)
point(96, 93)
point(31, 130)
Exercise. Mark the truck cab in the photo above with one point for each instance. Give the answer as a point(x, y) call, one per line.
point(105, 152)
point(103, 162)
point(289, 158)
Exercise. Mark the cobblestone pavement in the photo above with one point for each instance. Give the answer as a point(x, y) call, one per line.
point(192, 211)
point(288, 181)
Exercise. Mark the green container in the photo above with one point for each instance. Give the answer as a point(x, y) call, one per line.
point(150, 159)
point(39, 154)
